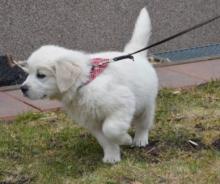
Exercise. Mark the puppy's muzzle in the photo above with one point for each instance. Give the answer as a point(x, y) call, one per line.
point(24, 89)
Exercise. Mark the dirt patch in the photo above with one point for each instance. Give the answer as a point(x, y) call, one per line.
point(152, 152)
point(200, 127)
point(195, 144)
point(216, 144)
point(152, 149)
point(16, 178)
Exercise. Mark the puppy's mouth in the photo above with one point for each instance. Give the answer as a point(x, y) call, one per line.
point(44, 96)
point(30, 97)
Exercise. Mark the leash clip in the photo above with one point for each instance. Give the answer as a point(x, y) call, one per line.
point(131, 58)
point(128, 56)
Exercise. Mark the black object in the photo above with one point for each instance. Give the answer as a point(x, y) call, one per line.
point(129, 56)
point(10, 75)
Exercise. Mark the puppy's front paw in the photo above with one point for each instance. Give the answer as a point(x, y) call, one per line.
point(140, 140)
point(111, 159)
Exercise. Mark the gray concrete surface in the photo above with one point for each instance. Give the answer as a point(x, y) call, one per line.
point(94, 25)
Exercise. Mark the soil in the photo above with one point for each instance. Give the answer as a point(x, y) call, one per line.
point(216, 144)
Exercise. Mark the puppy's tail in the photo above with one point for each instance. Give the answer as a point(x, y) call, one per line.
point(141, 34)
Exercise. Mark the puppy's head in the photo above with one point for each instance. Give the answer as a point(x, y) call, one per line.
point(52, 71)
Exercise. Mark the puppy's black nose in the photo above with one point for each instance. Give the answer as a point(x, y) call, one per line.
point(24, 89)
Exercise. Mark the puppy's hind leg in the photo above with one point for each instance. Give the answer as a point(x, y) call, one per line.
point(143, 125)
point(111, 150)
point(115, 128)
point(118, 120)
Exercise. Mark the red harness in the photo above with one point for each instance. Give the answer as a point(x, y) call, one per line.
point(98, 66)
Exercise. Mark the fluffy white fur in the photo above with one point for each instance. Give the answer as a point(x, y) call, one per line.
point(123, 94)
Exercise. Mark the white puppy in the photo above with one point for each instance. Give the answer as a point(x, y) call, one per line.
point(124, 93)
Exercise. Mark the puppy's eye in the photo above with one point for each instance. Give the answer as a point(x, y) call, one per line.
point(40, 75)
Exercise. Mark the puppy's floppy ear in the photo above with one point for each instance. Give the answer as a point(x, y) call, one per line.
point(66, 74)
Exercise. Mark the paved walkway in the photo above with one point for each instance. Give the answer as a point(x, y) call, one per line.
point(12, 103)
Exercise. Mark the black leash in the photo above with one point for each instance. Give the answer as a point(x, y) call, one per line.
point(130, 56)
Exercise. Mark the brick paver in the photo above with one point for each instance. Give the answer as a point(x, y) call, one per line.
point(42, 105)
point(10, 108)
point(173, 79)
point(207, 70)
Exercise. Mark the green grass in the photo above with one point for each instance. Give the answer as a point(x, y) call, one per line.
point(48, 148)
